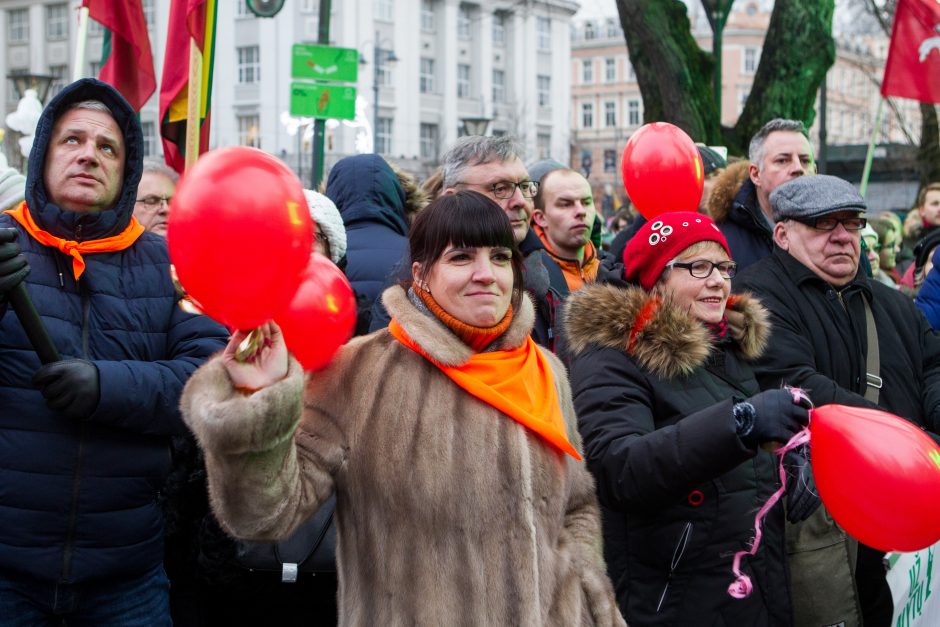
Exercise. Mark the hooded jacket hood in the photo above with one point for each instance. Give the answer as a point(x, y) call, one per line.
point(663, 338)
point(60, 222)
point(366, 189)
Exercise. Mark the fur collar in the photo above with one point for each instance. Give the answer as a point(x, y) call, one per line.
point(438, 341)
point(725, 189)
point(669, 342)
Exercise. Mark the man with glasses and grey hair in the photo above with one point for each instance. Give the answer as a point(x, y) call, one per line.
point(844, 339)
point(779, 152)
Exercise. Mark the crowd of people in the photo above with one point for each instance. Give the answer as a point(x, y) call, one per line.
point(547, 415)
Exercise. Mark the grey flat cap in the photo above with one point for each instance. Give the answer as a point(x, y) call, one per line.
point(812, 196)
point(542, 167)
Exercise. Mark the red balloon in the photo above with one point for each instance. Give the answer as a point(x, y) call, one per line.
point(240, 233)
point(662, 170)
point(878, 475)
point(322, 315)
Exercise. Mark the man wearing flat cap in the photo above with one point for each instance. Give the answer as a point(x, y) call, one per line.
point(844, 339)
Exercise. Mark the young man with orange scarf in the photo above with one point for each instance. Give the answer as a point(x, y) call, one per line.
point(85, 440)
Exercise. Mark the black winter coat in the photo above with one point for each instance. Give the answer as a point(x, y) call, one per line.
point(678, 487)
point(745, 227)
point(78, 499)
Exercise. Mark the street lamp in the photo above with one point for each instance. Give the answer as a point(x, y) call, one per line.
point(377, 64)
point(38, 82)
point(476, 126)
point(717, 13)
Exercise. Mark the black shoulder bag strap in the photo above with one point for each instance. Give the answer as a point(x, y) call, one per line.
point(873, 382)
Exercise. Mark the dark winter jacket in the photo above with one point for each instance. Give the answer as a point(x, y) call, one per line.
point(371, 200)
point(819, 343)
point(928, 297)
point(78, 500)
point(678, 487)
point(734, 207)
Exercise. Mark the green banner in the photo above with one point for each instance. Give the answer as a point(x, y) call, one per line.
point(312, 100)
point(324, 63)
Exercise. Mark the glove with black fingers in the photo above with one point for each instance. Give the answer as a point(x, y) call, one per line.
point(802, 498)
point(13, 265)
point(771, 416)
point(70, 386)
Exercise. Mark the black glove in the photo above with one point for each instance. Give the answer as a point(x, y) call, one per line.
point(70, 386)
point(802, 498)
point(13, 265)
point(770, 416)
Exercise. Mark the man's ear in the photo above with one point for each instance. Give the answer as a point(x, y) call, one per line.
point(538, 216)
point(781, 237)
point(449, 190)
point(754, 173)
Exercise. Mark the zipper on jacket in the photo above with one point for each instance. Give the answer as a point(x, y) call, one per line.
point(73, 508)
point(677, 553)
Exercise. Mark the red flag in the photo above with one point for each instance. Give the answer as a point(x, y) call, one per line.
point(189, 19)
point(913, 68)
point(126, 60)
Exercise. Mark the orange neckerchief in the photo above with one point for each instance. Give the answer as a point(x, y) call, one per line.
point(75, 249)
point(477, 338)
point(577, 273)
point(518, 382)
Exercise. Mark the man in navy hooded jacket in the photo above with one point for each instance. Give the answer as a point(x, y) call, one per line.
point(84, 442)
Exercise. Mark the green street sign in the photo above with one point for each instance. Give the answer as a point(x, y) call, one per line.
point(312, 100)
point(324, 63)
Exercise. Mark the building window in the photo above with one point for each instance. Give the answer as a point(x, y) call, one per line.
point(427, 16)
point(463, 22)
point(249, 130)
point(429, 141)
point(57, 21)
point(633, 113)
point(94, 68)
point(499, 86)
point(18, 21)
point(499, 28)
point(383, 136)
point(242, 10)
point(610, 114)
point(544, 88)
point(543, 28)
point(95, 29)
point(743, 93)
point(751, 59)
point(384, 10)
point(249, 64)
point(587, 71)
point(150, 144)
point(543, 142)
point(308, 6)
point(463, 80)
point(589, 32)
point(427, 76)
point(587, 115)
point(149, 14)
point(60, 74)
point(610, 69)
point(630, 73)
point(385, 68)
point(613, 29)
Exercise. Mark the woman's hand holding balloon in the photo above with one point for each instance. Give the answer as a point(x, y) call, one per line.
point(256, 359)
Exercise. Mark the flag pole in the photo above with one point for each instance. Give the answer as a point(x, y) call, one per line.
point(78, 70)
point(194, 103)
point(871, 148)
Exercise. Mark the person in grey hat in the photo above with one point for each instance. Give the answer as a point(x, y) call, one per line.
point(820, 301)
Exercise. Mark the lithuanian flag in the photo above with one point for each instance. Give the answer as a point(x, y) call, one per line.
point(189, 20)
point(126, 59)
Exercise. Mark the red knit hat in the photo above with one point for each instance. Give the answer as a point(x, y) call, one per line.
point(661, 239)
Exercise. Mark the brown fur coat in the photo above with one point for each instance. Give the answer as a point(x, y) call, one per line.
point(448, 512)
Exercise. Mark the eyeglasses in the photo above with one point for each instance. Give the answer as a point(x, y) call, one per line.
point(153, 201)
point(703, 268)
point(827, 223)
point(505, 189)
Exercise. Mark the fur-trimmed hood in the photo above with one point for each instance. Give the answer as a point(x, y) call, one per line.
point(725, 189)
point(662, 337)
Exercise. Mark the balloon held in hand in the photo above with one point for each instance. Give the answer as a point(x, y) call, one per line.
point(240, 235)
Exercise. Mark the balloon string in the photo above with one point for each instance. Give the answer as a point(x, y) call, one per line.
point(742, 587)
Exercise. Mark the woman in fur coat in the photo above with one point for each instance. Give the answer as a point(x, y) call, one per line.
point(672, 421)
point(449, 439)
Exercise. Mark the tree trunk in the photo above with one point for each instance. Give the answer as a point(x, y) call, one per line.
point(928, 157)
point(798, 50)
point(674, 73)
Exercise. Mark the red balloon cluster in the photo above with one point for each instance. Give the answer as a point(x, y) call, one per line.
point(662, 170)
point(878, 475)
point(322, 315)
point(239, 234)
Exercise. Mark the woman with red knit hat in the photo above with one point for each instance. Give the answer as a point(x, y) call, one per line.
point(673, 422)
point(448, 438)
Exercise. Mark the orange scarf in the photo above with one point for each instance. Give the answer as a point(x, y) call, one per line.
point(75, 249)
point(477, 338)
point(518, 382)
